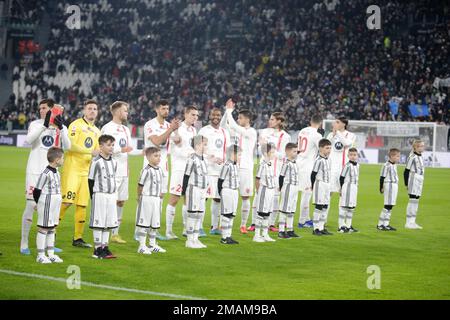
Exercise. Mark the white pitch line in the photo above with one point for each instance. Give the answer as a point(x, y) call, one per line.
point(102, 286)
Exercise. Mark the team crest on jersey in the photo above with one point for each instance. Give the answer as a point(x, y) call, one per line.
point(219, 143)
point(88, 142)
point(48, 141)
point(338, 145)
point(122, 143)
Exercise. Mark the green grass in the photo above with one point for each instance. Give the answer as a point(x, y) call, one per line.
point(415, 264)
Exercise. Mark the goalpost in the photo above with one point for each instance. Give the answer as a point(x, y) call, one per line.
point(375, 138)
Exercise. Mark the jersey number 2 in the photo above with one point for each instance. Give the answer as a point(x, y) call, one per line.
point(303, 143)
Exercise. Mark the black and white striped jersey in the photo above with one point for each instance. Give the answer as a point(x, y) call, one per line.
point(389, 172)
point(265, 174)
point(103, 172)
point(415, 164)
point(290, 172)
point(230, 175)
point(49, 181)
point(197, 170)
point(322, 168)
point(351, 172)
point(151, 181)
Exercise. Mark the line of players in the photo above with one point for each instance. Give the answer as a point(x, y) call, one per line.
point(216, 163)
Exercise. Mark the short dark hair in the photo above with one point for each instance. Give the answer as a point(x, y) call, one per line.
point(233, 149)
point(317, 119)
point(49, 102)
point(198, 139)
point(90, 101)
point(105, 138)
point(352, 150)
point(189, 108)
point(215, 109)
point(324, 143)
point(290, 146)
point(151, 150)
point(393, 151)
point(344, 120)
point(267, 147)
point(54, 153)
point(162, 103)
point(246, 113)
point(117, 104)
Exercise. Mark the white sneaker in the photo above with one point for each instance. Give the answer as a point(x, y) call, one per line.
point(200, 244)
point(43, 260)
point(267, 238)
point(412, 225)
point(171, 236)
point(55, 259)
point(144, 250)
point(417, 226)
point(191, 244)
point(157, 248)
point(258, 239)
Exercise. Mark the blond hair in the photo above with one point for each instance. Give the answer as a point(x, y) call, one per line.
point(415, 143)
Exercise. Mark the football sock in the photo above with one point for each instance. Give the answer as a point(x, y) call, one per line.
point(27, 222)
point(50, 243)
point(349, 217)
point(342, 215)
point(215, 214)
point(316, 219)
point(304, 207)
point(80, 219)
point(245, 210)
point(115, 231)
point(105, 238)
point(190, 225)
point(258, 225)
point(385, 216)
point(97, 238)
point(254, 213)
point(62, 211)
point(184, 215)
point(411, 210)
point(282, 222)
point(323, 219)
point(152, 237)
point(265, 227)
point(142, 235)
point(290, 222)
point(41, 238)
point(170, 216)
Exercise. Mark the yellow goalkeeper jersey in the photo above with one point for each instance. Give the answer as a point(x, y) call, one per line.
point(84, 138)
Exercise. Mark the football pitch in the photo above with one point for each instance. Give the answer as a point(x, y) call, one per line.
point(413, 264)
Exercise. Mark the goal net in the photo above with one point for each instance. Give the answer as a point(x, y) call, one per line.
point(375, 138)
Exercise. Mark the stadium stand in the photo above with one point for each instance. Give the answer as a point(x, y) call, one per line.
point(297, 57)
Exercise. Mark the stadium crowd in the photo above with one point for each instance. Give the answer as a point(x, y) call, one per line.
point(273, 55)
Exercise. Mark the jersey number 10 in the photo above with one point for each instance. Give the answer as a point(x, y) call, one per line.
point(302, 144)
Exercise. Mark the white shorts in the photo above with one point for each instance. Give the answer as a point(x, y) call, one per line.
point(289, 195)
point(30, 182)
point(321, 193)
point(176, 182)
point(148, 212)
point(335, 185)
point(349, 193)
point(195, 199)
point(415, 184)
point(390, 191)
point(103, 211)
point(304, 176)
point(212, 192)
point(122, 188)
point(229, 201)
point(264, 201)
point(48, 210)
point(246, 182)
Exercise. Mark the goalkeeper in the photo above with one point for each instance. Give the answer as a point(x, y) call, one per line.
point(83, 135)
